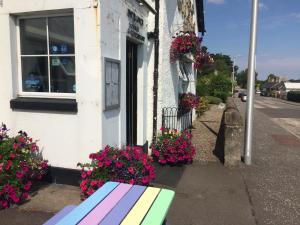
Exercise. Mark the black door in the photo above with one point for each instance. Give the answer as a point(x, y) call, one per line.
point(131, 93)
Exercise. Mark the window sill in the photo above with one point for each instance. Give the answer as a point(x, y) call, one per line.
point(44, 104)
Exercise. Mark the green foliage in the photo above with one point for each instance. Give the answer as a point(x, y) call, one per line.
point(242, 78)
point(202, 87)
point(203, 106)
point(222, 95)
point(220, 83)
point(213, 100)
point(293, 96)
point(222, 65)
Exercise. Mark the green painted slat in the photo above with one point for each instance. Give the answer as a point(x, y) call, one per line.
point(159, 209)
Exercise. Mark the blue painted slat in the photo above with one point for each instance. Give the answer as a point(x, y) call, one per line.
point(85, 207)
point(58, 216)
point(118, 213)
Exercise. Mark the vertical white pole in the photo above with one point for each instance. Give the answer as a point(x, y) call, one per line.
point(251, 84)
point(232, 78)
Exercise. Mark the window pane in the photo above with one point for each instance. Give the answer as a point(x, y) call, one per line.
point(35, 74)
point(61, 35)
point(62, 74)
point(33, 36)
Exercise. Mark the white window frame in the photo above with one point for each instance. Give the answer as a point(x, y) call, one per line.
point(49, 94)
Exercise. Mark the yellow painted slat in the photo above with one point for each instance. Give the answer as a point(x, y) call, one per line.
point(139, 210)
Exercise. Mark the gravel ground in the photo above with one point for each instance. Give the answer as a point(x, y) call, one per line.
point(205, 134)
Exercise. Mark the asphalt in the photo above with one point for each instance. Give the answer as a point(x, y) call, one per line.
point(265, 193)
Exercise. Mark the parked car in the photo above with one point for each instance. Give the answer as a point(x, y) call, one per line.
point(241, 94)
point(244, 98)
point(258, 92)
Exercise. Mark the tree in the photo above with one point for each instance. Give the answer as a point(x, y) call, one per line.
point(242, 78)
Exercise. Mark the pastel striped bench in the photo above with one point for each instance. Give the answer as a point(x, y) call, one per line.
point(117, 203)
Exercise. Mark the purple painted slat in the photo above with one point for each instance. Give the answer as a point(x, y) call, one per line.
point(101, 210)
point(58, 216)
point(118, 213)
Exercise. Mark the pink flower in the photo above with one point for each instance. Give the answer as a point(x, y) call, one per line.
point(8, 165)
point(132, 181)
point(145, 180)
point(156, 153)
point(119, 164)
point(100, 164)
point(83, 175)
point(130, 170)
point(25, 195)
point(19, 175)
point(27, 186)
point(15, 146)
point(94, 183)
point(90, 191)
point(4, 204)
point(162, 161)
point(107, 162)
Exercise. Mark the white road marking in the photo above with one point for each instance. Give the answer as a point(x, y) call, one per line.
point(259, 106)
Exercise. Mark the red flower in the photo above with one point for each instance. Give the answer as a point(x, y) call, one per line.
point(15, 146)
point(145, 180)
point(25, 195)
point(19, 175)
point(119, 164)
point(27, 186)
point(8, 165)
point(130, 170)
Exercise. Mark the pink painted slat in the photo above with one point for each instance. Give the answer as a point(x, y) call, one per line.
point(101, 210)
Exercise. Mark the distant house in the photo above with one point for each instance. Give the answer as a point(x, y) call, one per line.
point(272, 85)
point(284, 87)
point(268, 87)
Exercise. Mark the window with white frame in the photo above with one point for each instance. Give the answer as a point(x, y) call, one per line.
point(47, 55)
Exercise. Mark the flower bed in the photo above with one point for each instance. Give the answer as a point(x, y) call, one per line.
point(188, 101)
point(129, 165)
point(172, 147)
point(20, 164)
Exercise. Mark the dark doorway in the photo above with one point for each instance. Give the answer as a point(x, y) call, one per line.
point(131, 93)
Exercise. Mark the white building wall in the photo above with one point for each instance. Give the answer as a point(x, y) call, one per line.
point(171, 22)
point(65, 138)
point(114, 26)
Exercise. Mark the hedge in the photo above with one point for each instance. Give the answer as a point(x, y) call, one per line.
point(293, 96)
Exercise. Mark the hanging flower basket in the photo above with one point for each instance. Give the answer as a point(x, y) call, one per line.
point(188, 101)
point(188, 45)
point(184, 44)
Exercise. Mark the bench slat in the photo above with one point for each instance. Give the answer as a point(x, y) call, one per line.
point(142, 206)
point(102, 209)
point(85, 207)
point(118, 213)
point(159, 209)
point(58, 216)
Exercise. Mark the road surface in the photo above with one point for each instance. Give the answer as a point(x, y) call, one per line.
point(273, 179)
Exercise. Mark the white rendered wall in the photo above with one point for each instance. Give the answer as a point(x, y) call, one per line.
point(171, 22)
point(65, 139)
point(114, 26)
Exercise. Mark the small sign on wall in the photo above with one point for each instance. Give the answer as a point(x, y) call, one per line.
point(112, 83)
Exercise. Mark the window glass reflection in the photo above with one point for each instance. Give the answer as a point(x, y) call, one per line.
point(61, 35)
point(33, 36)
point(62, 74)
point(35, 74)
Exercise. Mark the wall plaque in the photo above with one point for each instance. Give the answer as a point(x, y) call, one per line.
point(135, 23)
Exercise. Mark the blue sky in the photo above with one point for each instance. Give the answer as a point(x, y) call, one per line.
point(278, 44)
